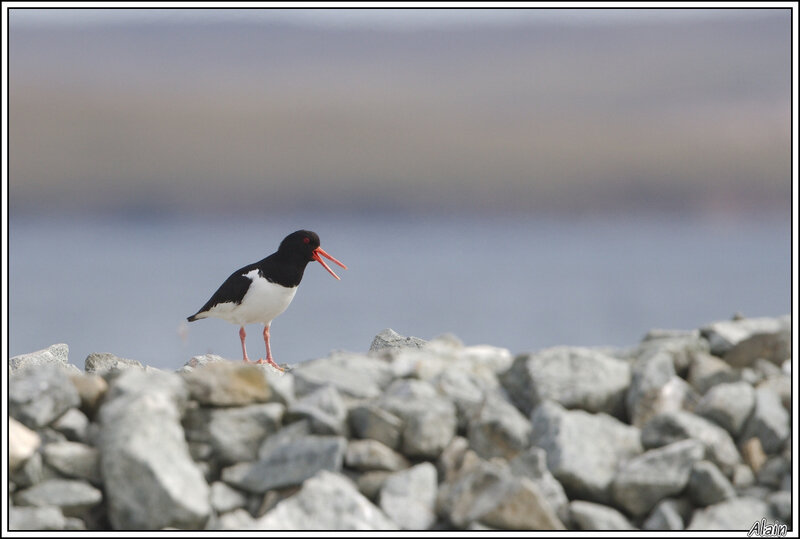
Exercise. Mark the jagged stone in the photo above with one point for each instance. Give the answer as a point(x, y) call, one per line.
point(226, 383)
point(371, 421)
point(74, 459)
point(324, 409)
point(37, 397)
point(497, 429)
point(769, 422)
point(373, 455)
point(707, 485)
point(55, 355)
point(389, 338)
point(597, 517)
point(104, 364)
point(741, 342)
point(728, 405)
point(735, 514)
point(408, 497)
point(73, 497)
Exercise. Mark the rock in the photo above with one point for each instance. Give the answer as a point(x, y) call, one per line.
point(238, 519)
point(408, 497)
point(56, 355)
point(706, 371)
point(728, 405)
point(35, 518)
point(73, 424)
point(352, 375)
point(36, 397)
point(781, 386)
point(532, 464)
point(656, 474)
point(428, 424)
point(22, 443)
point(736, 514)
point(769, 422)
point(741, 342)
point(680, 345)
point(668, 515)
point(497, 429)
point(288, 463)
point(226, 383)
point(388, 338)
point(327, 501)
point(282, 389)
point(671, 427)
point(91, 390)
point(649, 374)
point(465, 390)
point(583, 450)
point(200, 361)
point(596, 517)
point(373, 422)
point(774, 471)
point(73, 459)
point(103, 364)
point(150, 479)
point(286, 435)
point(370, 483)
point(743, 476)
point(324, 409)
point(373, 455)
point(73, 497)
point(32, 471)
point(754, 454)
point(487, 493)
point(235, 433)
point(225, 499)
point(780, 503)
point(707, 485)
point(573, 377)
point(452, 457)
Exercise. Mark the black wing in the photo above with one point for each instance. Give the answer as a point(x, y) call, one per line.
point(232, 290)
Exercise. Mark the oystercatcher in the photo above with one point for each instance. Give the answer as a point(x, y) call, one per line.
point(259, 292)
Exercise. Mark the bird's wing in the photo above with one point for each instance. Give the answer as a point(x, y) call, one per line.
point(232, 290)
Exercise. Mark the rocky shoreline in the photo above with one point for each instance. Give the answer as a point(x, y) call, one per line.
point(686, 430)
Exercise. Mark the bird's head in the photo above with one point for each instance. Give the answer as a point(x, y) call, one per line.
point(305, 243)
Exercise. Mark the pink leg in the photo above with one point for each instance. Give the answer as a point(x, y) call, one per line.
point(242, 335)
point(269, 352)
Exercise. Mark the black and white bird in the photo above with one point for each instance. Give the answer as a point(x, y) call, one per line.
point(258, 292)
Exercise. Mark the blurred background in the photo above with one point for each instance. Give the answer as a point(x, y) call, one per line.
point(517, 177)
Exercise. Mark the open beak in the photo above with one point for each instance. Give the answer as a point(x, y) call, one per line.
point(316, 256)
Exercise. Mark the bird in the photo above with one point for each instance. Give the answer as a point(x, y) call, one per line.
point(260, 291)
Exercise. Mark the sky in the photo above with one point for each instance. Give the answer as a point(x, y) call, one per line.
point(186, 111)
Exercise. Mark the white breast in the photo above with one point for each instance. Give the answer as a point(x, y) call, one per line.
point(262, 303)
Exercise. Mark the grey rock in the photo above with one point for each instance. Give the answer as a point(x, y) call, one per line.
point(452, 457)
point(32, 471)
point(769, 422)
point(373, 455)
point(649, 374)
point(597, 517)
point(282, 389)
point(289, 433)
point(669, 514)
point(583, 450)
point(225, 499)
point(428, 424)
point(22, 443)
point(352, 375)
point(407, 389)
point(73, 497)
point(226, 383)
point(149, 476)
point(780, 503)
point(73, 424)
point(497, 429)
point(235, 433)
point(465, 390)
point(707, 485)
point(103, 364)
point(408, 497)
point(573, 377)
point(654, 475)
point(743, 476)
point(707, 371)
point(773, 472)
point(736, 514)
point(680, 345)
point(200, 361)
point(35, 518)
point(325, 410)
point(288, 463)
point(671, 427)
point(532, 464)
point(56, 355)
point(370, 483)
point(389, 338)
point(371, 421)
point(327, 501)
point(781, 386)
point(73, 459)
point(487, 492)
point(238, 519)
point(741, 342)
point(728, 405)
point(36, 397)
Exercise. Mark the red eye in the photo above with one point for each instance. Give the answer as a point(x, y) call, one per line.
point(306, 240)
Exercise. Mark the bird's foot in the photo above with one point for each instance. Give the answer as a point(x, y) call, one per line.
point(269, 361)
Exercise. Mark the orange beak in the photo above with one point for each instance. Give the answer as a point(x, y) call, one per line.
point(316, 256)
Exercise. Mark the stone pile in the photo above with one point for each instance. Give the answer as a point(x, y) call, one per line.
point(686, 430)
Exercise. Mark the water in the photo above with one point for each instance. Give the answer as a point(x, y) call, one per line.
point(126, 286)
